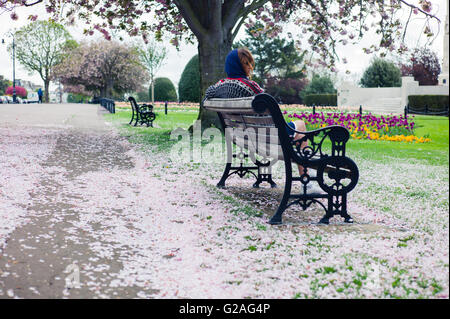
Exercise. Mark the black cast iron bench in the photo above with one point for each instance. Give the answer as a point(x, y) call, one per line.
point(257, 127)
point(142, 114)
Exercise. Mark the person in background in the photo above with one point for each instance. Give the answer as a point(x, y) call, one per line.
point(40, 95)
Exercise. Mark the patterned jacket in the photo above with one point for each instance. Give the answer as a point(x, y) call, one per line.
point(233, 88)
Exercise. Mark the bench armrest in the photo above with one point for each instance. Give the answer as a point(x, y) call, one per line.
point(147, 106)
point(314, 132)
point(338, 136)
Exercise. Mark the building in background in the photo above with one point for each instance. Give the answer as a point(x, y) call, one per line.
point(28, 85)
point(443, 78)
point(394, 99)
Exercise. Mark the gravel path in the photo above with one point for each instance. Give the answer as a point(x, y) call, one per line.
point(77, 201)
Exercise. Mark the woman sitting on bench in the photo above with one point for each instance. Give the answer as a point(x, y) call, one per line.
point(239, 66)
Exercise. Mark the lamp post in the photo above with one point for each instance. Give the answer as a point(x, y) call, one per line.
point(14, 68)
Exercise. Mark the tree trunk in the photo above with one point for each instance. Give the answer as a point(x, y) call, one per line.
point(46, 94)
point(212, 52)
point(153, 91)
point(212, 22)
point(109, 88)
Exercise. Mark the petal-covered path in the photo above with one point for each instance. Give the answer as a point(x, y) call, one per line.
point(83, 214)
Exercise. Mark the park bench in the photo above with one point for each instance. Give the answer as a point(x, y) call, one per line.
point(142, 114)
point(257, 129)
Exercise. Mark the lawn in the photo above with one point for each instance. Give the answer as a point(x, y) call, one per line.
point(398, 247)
point(435, 152)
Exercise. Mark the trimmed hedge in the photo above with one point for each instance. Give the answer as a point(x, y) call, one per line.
point(321, 99)
point(77, 98)
point(189, 87)
point(433, 103)
point(164, 90)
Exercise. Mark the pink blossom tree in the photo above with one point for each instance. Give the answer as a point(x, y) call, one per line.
point(102, 68)
point(325, 24)
point(20, 91)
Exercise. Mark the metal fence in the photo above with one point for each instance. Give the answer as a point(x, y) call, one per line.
point(108, 104)
point(425, 111)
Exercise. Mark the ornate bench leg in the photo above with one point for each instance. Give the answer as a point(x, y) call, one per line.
point(277, 217)
point(337, 205)
point(226, 174)
point(347, 218)
point(264, 174)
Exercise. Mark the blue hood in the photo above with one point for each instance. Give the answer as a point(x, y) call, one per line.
point(233, 66)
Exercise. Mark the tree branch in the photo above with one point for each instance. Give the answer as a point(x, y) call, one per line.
point(190, 17)
point(24, 2)
point(230, 13)
point(420, 10)
point(252, 7)
point(244, 12)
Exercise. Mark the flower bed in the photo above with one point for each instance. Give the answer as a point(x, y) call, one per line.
point(385, 128)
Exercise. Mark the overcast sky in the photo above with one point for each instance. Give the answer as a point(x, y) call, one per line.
point(177, 60)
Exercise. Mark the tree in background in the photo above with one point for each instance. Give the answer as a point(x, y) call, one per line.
point(189, 88)
point(274, 57)
point(381, 73)
point(279, 65)
point(288, 78)
point(215, 23)
point(319, 84)
point(103, 68)
point(4, 83)
point(152, 56)
point(40, 47)
point(424, 66)
point(286, 90)
point(143, 96)
point(165, 90)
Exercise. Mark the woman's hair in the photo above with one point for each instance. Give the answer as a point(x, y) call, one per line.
point(247, 61)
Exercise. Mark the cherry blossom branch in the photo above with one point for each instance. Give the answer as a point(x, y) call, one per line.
point(413, 7)
point(31, 4)
point(243, 14)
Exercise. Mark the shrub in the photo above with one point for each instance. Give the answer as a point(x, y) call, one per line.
point(4, 83)
point(319, 85)
point(321, 99)
point(165, 90)
point(20, 91)
point(286, 89)
point(189, 88)
point(143, 96)
point(77, 98)
point(381, 73)
point(434, 103)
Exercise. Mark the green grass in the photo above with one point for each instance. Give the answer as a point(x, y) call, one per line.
point(435, 152)
point(158, 136)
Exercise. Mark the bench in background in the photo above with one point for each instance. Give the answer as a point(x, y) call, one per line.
point(142, 114)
